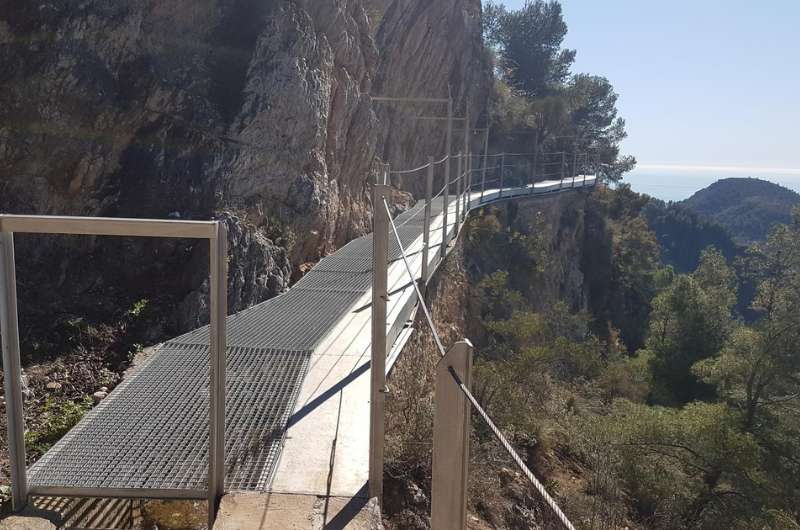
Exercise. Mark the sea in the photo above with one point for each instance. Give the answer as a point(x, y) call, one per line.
point(678, 183)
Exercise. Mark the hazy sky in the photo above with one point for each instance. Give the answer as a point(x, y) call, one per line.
point(702, 82)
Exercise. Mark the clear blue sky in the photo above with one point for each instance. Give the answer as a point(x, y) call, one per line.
point(701, 83)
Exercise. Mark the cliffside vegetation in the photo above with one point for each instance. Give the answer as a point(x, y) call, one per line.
point(694, 428)
point(640, 394)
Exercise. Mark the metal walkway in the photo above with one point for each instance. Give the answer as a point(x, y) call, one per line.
point(149, 438)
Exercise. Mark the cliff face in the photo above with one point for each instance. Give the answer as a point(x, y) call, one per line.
point(255, 112)
point(426, 50)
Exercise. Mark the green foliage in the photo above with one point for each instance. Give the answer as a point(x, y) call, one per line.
point(684, 468)
point(621, 259)
point(529, 40)
point(57, 419)
point(683, 235)
point(138, 308)
point(537, 98)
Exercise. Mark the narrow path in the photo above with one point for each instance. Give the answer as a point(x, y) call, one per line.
point(297, 416)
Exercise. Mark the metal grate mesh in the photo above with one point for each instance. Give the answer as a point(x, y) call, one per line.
point(152, 431)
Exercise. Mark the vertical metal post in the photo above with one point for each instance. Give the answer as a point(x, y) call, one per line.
point(467, 162)
point(219, 313)
point(535, 159)
point(12, 368)
point(460, 177)
point(449, 149)
point(451, 430)
point(485, 160)
point(563, 168)
point(575, 163)
point(386, 174)
point(380, 271)
point(502, 171)
point(426, 236)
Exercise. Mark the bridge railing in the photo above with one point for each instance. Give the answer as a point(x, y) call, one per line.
point(453, 398)
point(214, 232)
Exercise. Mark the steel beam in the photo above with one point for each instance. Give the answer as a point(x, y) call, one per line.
point(426, 235)
point(451, 430)
point(105, 226)
point(219, 313)
point(380, 280)
point(387, 99)
point(12, 371)
point(467, 164)
point(460, 176)
point(485, 162)
point(502, 171)
point(449, 149)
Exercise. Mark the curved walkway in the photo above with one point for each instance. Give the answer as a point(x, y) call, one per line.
point(297, 398)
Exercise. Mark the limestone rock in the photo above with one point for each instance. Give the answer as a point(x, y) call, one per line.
point(16, 522)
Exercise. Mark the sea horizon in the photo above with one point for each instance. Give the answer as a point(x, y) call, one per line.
point(678, 183)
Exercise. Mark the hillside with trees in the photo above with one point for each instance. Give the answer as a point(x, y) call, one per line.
point(747, 207)
point(657, 406)
point(649, 403)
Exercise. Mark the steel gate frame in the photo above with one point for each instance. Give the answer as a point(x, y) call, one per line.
point(215, 232)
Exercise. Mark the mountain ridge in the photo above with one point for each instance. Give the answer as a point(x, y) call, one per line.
point(747, 207)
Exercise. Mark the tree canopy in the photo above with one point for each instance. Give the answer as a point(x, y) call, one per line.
point(537, 97)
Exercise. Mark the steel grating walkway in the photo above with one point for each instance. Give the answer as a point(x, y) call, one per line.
point(150, 435)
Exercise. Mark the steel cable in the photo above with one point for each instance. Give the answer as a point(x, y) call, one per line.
point(414, 281)
point(495, 430)
point(507, 445)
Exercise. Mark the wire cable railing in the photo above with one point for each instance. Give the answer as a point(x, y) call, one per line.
point(471, 398)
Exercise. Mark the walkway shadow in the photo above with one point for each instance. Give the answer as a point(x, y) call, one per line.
point(349, 511)
point(325, 396)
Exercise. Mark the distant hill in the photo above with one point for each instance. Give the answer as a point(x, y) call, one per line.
point(747, 207)
point(683, 235)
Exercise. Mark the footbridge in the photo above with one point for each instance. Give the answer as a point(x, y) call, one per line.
point(285, 397)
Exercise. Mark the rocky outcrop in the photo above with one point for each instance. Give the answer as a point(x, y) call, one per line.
point(255, 112)
point(559, 221)
point(429, 49)
point(185, 110)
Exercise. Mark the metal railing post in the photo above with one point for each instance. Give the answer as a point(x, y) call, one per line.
point(426, 236)
point(574, 165)
point(535, 160)
point(563, 169)
point(451, 430)
point(467, 163)
point(449, 149)
point(485, 161)
point(460, 178)
point(219, 313)
point(12, 368)
point(502, 172)
point(380, 268)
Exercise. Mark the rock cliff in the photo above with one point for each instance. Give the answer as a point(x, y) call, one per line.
point(427, 50)
point(255, 112)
